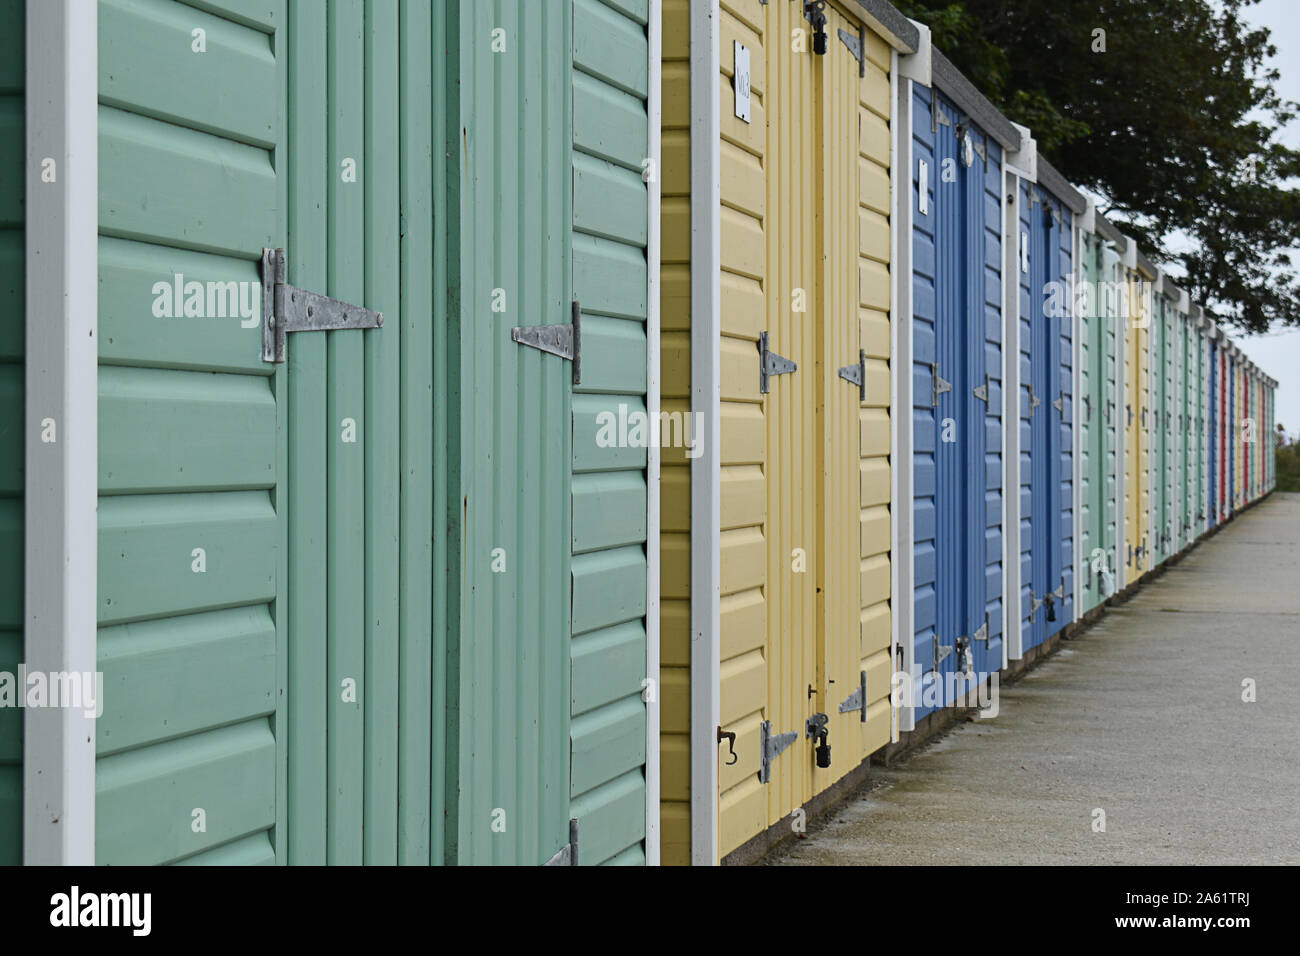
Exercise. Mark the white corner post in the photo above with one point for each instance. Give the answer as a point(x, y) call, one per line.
point(706, 395)
point(1076, 430)
point(654, 112)
point(60, 423)
point(902, 714)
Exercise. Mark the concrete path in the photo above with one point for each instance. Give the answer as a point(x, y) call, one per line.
point(1141, 716)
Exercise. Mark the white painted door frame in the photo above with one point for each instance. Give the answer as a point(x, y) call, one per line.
point(706, 474)
point(60, 421)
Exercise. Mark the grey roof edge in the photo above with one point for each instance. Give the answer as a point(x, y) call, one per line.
point(1060, 187)
point(1109, 230)
point(972, 102)
point(1145, 264)
point(899, 31)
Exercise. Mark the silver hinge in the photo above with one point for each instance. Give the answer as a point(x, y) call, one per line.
point(982, 634)
point(562, 340)
point(1059, 403)
point(567, 854)
point(772, 746)
point(857, 374)
point(938, 385)
point(941, 651)
point(1034, 401)
point(287, 308)
point(769, 364)
point(1034, 604)
point(1060, 592)
point(855, 45)
point(982, 391)
point(858, 699)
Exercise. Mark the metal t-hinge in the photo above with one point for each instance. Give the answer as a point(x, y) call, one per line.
point(1034, 402)
point(858, 699)
point(857, 374)
point(938, 385)
point(769, 364)
point(287, 308)
point(1059, 403)
point(1034, 604)
point(562, 340)
point(772, 746)
point(855, 45)
point(982, 391)
point(941, 651)
point(568, 854)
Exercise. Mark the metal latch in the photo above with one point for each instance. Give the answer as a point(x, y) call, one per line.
point(568, 854)
point(858, 699)
point(855, 45)
point(982, 391)
point(814, 11)
point(769, 364)
point(286, 308)
point(857, 374)
point(562, 340)
point(937, 384)
point(772, 746)
point(964, 659)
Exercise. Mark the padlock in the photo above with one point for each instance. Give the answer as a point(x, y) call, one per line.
point(1051, 607)
point(823, 751)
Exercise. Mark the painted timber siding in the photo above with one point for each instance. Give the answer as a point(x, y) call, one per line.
point(804, 468)
point(872, 288)
point(675, 473)
point(1098, 415)
point(924, 175)
point(957, 252)
point(1094, 327)
point(747, 674)
point(192, 516)
point(1137, 475)
point(13, 151)
point(1050, 377)
point(509, 141)
point(853, 570)
point(610, 227)
point(1025, 315)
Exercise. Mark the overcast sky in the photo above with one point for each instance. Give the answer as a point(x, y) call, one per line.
point(1278, 353)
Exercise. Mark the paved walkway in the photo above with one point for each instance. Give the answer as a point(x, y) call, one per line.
point(1141, 716)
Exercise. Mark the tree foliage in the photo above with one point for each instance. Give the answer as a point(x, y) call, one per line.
point(1170, 114)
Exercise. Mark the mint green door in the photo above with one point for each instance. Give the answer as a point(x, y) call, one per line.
point(545, 131)
point(258, 645)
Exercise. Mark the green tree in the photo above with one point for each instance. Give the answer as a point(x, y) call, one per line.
point(1168, 110)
